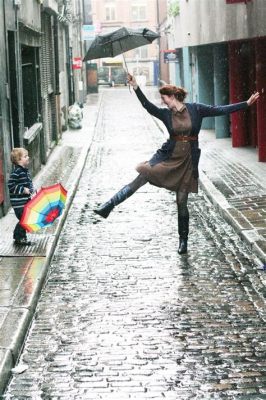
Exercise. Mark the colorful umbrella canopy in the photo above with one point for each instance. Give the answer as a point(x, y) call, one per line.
point(44, 208)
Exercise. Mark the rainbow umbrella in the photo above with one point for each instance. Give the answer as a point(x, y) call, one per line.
point(44, 208)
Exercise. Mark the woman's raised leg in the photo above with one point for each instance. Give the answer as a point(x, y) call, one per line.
point(123, 194)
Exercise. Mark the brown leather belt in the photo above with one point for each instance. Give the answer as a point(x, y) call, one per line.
point(184, 138)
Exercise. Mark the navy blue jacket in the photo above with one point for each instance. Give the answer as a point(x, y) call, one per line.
point(197, 112)
point(18, 180)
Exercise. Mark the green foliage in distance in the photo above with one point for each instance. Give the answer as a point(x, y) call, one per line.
point(174, 8)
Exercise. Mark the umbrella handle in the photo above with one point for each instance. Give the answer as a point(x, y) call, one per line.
point(126, 69)
point(125, 62)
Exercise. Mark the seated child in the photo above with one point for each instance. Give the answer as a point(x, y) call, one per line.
point(20, 190)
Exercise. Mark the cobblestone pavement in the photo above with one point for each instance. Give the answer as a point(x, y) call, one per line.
point(122, 316)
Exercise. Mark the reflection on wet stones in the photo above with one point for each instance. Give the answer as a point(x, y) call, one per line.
point(122, 316)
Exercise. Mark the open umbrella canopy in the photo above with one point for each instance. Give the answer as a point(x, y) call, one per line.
point(119, 41)
point(44, 208)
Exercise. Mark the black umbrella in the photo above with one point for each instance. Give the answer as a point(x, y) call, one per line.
point(117, 42)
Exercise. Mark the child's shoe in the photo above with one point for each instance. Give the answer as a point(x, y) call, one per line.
point(23, 242)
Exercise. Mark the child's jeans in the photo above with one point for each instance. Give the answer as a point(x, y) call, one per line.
point(19, 232)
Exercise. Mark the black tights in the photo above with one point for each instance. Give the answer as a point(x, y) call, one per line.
point(139, 181)
point(181, 197)
point(181, 201)
point(19, 232)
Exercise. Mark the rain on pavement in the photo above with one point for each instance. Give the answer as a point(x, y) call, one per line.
point(122, 315)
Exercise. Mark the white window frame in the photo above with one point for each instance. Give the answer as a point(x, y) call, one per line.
point(110, 12)
point(138, 6)
point(141, 52)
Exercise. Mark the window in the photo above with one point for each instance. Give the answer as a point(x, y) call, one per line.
point(30, 84)
point(141, 52)
point(110, 11)
point(138, 12)
point(88, 14)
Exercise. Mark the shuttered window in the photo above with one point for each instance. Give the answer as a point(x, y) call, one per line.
point(48, 81)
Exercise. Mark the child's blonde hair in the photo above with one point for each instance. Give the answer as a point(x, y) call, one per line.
point(17, 154)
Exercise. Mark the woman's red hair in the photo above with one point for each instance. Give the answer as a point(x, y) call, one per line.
point(172, 90)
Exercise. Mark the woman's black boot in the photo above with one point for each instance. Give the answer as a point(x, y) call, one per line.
point(183, 230)
point(182, 246)
point(105, 209)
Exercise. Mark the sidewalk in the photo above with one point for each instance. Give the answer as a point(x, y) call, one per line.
point(233, 179)
point(23, 270)
point(236, 183)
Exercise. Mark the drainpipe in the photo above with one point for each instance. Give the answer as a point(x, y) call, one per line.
point(19, 77)
point(4, 149)
point(57, 83)
point(69, 68)
point(159, 42)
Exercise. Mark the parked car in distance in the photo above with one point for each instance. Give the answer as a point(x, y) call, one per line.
point(104, 76)
point(119, 76)
point(112, 76)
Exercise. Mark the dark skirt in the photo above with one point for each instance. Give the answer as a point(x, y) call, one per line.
point(175, 173)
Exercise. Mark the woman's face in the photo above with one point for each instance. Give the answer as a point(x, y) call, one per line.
point(168, 100)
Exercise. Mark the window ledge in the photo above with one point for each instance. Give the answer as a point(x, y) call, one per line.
point(133, 20)
point(31, 133)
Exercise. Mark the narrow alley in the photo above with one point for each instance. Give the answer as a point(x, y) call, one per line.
point(122, 315)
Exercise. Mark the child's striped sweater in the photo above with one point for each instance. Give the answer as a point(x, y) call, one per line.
point(19, 179)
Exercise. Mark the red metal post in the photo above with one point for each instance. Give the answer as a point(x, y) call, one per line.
point(261, 104)
point(252, 114)
point(238, 80)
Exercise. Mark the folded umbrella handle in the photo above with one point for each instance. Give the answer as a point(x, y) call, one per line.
point(126, 68)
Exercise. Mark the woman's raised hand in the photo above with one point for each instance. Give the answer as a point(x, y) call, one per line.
point(132, 81)
point(253, 98)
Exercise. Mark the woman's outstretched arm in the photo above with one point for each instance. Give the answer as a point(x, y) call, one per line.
point(150, 107)
point(215, 111)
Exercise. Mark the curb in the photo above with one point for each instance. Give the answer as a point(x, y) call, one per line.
point(10, 353)
point(250, 236)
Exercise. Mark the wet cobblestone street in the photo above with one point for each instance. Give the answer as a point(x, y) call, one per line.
point(122, 315)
